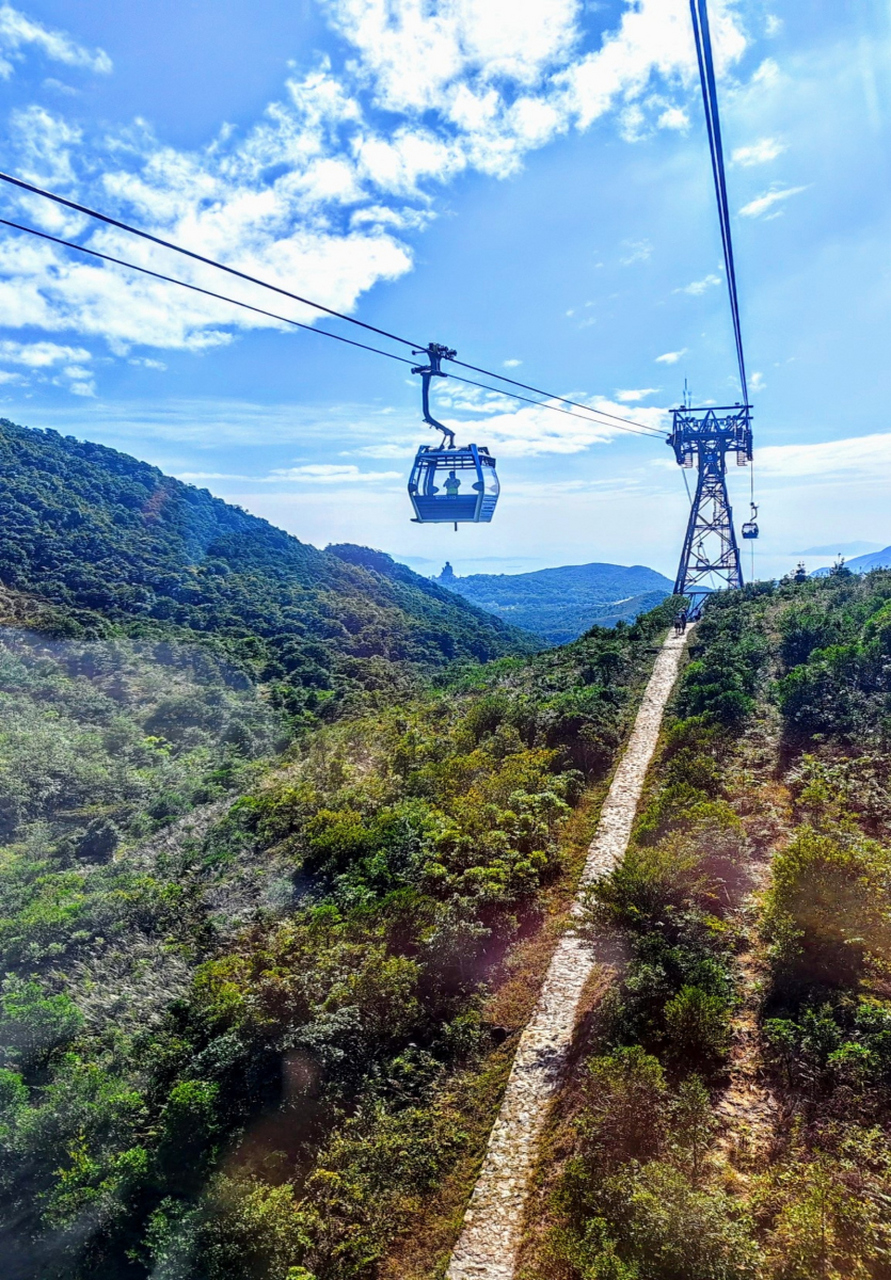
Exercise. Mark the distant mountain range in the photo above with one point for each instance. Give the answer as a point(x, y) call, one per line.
point(560, 604)
point(861, 564)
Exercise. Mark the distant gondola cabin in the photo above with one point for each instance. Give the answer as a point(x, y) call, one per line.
point(453, 486)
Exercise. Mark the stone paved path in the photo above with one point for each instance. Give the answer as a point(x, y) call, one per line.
point(490, 1236)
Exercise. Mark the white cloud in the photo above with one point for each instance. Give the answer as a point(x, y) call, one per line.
point(868, 455)
point(767, 73)
point(143, 362)
point(331, 473)
point(18, 32)
point(319, 189)
point(700, 286)
point(631, 397)
point(45, 144)
point(407, 450)
point(40, 355)
point(310, 474)
point(671, 357)
point(756, 382)
point(760, 152)
point(674, 118)
point(773, 25)
point(42, 360)
point(511, 364)
point(416, 55)
point(636, 251)
point(535, 429)
point(759, 206)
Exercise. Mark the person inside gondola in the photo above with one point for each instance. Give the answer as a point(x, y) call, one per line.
point(452, 485)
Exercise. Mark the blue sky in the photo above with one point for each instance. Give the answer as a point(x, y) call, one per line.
point(525, 181)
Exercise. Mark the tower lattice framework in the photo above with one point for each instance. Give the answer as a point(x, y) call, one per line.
point(702, 438)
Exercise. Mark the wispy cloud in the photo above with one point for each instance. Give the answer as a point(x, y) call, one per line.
point(631, 397)
point(535, 430)
point(19, 32)
point(382, 451)
point(762, 204)
point(869, 455)
point(671, 357)
point(760, 152)
point(331, 473)
point(636, 251)
point(310, 474)
point(699, 286)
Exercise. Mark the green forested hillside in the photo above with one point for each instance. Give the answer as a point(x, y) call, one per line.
point(729, 1114)
point(247, 1039)
point(93, 529)
point(559, 604)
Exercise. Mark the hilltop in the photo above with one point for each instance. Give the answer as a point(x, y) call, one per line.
point(88, 528)
point(861, 564)
point(561, 604)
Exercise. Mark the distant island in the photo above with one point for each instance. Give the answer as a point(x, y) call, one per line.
point(561, 604)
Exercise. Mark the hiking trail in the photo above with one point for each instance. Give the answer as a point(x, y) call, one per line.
point(490, 1236)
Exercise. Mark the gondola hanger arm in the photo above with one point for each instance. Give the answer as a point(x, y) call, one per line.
point(435, 352)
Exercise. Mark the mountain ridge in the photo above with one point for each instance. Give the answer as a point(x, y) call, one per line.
point(87, 527)
point(559, 604)
point(861, 564)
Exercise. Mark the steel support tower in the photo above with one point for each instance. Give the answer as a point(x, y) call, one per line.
point(702, 438)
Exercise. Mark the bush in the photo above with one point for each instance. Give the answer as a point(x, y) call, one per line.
point(698, 1028)
point(676, 1232)
point(626, 1111)
point(828, 911)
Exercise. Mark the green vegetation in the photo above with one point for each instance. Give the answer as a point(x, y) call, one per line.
point(94, 530)
point(560, 604)
point(270, 836)
point(731, 1114)
point(241, 1004)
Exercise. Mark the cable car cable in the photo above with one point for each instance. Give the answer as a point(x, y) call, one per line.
point(625, 425)
point(198, 257)
point(702, 34)
point(242, 275)
point(526, 387)
point(194, 288)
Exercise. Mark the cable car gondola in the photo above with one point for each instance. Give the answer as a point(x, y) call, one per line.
point(450, 484)
point(750, 528)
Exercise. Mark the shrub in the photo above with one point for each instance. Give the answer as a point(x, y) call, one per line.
point(698, 1028)
point(828, 911)
point(626, 1110)
point(676, 1232)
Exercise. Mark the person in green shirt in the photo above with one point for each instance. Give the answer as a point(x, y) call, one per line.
point(452, 485)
